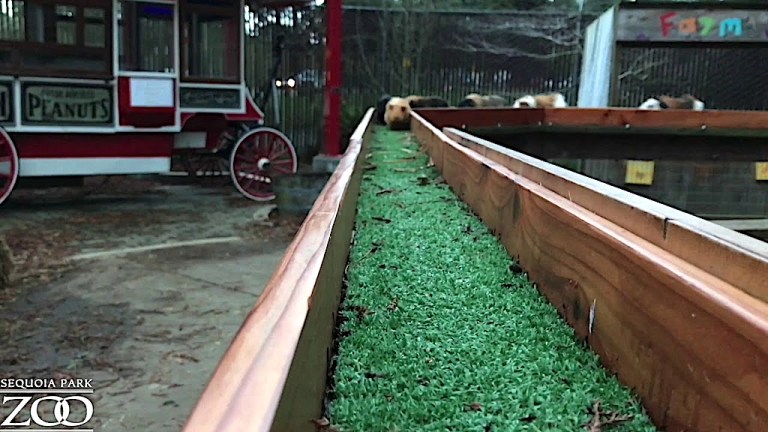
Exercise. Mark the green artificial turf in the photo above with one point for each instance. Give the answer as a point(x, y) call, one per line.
point(441, 331)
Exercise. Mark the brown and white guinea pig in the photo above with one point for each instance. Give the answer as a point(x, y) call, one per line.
point(686, 102)
point(397, 115)
point(545, 100)
point(475, 100)
point(416, 101)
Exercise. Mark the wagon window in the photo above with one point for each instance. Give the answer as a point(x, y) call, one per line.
point(146, 36)
point(212, 34)
point(56, 37)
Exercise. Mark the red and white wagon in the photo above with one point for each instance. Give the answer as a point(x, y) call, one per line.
point(110, 87)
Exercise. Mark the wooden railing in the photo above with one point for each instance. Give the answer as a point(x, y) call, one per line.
point(673, 304)
point(273, 375)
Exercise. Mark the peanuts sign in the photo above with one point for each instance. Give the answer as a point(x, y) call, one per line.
point(56, 104)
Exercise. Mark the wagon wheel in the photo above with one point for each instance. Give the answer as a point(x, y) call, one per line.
point(9, 166)
point(258, 157)
point(209, 163)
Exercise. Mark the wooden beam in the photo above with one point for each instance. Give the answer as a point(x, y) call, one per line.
point(615, 133)
point(713, 120)
point(693, 345)
point(556, 143)
point(273, 375)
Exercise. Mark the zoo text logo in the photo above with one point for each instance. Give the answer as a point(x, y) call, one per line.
point(37, 409)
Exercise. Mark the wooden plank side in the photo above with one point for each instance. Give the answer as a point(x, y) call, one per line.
point(550, 143)
point(636, 118)
point(693, 25)
point(712, 120)
point(304, 390)
point(731, 256)
point(257, 385)
point(692, 346)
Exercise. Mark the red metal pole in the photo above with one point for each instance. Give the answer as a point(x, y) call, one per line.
point(333, 79)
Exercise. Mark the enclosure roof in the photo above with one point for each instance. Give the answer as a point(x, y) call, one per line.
point(694, 4)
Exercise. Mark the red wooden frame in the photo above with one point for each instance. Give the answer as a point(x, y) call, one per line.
point(333, 76)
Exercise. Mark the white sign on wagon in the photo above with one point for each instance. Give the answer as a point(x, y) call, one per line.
point(67, 103)
point(152, 92)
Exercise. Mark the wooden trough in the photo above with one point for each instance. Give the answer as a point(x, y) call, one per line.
point(616, 133)
point(675, 305)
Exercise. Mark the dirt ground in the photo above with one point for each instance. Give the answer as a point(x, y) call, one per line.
point(148, 326)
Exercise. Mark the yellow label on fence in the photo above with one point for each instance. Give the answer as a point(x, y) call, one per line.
point(639, 172)
point(761, 171)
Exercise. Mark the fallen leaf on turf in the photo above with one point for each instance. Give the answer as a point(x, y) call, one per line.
point(601, 421)
point(324, 425)
point(393, 305)
point(361, 311)
point(475, 406)
point(375, 248)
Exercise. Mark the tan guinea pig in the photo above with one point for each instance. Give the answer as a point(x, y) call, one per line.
point(398, 114)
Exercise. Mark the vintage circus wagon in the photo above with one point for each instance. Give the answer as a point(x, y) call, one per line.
point(107, 87)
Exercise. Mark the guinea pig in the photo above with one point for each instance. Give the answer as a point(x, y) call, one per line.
point(398, 114)
point(475, 100)
point(415, 101)
point(381, 107)
point(548, 100)
point(686, 101)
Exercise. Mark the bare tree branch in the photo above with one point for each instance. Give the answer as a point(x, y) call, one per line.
point(489, 48)
point(641, 67)
point(498, 36)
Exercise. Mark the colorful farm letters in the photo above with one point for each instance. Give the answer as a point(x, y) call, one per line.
point(659, 25)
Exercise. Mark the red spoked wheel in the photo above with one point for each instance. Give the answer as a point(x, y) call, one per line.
point(9, 166)
point(259, 156)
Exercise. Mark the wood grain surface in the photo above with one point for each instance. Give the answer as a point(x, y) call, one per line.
point(692, 345)
point(273, 375)
point(464, 118)
point(734, 257)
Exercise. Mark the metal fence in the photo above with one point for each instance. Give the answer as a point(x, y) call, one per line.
point(444, 53)
point(724, 76)
point(299, 112)
point(452, 53)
